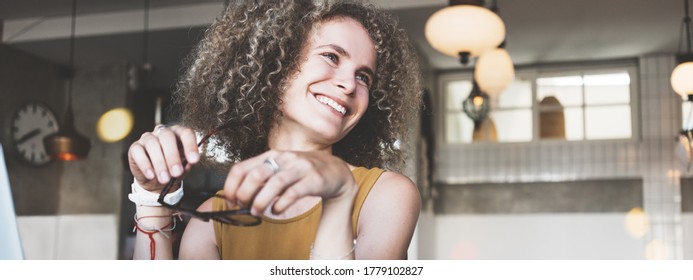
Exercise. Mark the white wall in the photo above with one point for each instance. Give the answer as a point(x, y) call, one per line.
point(535, 237)
point(687, 236)
point(69, 237)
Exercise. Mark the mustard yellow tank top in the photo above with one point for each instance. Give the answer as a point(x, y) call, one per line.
point(288, 239)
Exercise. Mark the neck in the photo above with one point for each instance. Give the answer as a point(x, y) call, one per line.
point(285, 138)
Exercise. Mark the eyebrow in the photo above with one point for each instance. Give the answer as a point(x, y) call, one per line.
point(346, 54)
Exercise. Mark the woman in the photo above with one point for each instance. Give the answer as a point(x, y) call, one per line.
point(313, 97)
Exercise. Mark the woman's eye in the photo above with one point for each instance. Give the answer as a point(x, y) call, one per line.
point(332, 57)
point(364, 78)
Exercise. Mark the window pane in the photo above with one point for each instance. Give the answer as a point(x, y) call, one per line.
point(574, 124)
point(458, 128)
point(457, 92)
point(563, 81)
point(608, 122)
point(517, 95)
point(611, 79)
point(567, 89)
point(513, 125)
point(607, 89)
point(600, 95)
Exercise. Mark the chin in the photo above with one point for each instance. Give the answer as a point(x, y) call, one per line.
point(329, 135)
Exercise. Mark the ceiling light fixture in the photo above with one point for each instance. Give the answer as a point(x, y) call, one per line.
point(67, 144)
point(682, 76)
point(464, 29)
point(494, 69)
point(476, 106)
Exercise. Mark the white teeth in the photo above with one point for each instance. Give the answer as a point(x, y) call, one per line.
point(331, 103)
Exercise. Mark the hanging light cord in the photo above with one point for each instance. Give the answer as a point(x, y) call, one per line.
point(145, 36)
point(686, 29)
point(72, 33)
point(71, 57)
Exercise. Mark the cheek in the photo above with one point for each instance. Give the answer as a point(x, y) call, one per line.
point(316, 66)
point(363, 99)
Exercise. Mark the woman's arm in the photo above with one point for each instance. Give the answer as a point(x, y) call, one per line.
point(388, 218)
point(154, 159)
point(334, 238)
point(150, 218)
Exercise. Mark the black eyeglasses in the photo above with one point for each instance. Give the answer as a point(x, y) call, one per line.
point(239, 217)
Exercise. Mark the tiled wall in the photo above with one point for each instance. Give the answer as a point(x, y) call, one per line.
point(650, 156)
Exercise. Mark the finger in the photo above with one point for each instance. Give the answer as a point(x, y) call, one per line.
point(238, 172)
point(189, 142)
point(139, 163)
point(169, 146)
point(156, 156)
point(274, 187)
point(253, 182)
point(158, 129)
point(290, 195)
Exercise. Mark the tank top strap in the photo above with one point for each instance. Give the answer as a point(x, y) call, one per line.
point(365, 179)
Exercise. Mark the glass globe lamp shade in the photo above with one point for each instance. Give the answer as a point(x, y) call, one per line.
point(494, 71)
point(682, 79)
point(464, 30)
point(476, 106)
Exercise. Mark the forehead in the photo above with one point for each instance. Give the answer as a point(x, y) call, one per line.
point(346, 33)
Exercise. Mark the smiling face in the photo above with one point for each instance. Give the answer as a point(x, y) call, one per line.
point(329, 94)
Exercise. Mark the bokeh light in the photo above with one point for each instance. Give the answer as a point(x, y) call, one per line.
point(637, 223)
point(654, 250)
point(464, 250)
point(114, 125)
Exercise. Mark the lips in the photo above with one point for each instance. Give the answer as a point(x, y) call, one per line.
point(332, 104)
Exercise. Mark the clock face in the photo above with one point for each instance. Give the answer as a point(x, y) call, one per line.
point(30, 124)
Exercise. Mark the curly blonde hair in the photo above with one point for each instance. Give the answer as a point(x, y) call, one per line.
point(237, 73)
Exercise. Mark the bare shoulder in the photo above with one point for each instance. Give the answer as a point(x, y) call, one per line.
point(395, 187)
point(388, 218)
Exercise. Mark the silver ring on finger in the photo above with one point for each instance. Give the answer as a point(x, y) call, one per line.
point(159, 128)
point(273, 165)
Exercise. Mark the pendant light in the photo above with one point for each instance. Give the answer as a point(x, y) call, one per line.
point(476, 106)
point(67, 144)
point(464, 29)
point(682, 76)
point(494, 69)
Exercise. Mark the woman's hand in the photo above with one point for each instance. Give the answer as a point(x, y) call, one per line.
point(158, 155)
point(296, 175)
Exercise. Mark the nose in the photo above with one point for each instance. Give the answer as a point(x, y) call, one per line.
point(346, 81)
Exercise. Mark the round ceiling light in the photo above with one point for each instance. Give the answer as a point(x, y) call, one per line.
point(494, 71)
point(682, 79)
point(464, 31)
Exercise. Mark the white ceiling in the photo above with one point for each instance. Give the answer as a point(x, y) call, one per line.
point(542, 31)
point(538, 31)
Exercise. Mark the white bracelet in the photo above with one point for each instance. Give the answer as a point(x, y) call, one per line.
point(143, 197)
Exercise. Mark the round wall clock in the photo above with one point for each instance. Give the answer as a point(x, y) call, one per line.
point(30, 124)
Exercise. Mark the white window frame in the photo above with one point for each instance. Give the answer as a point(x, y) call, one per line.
point(533, 73)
